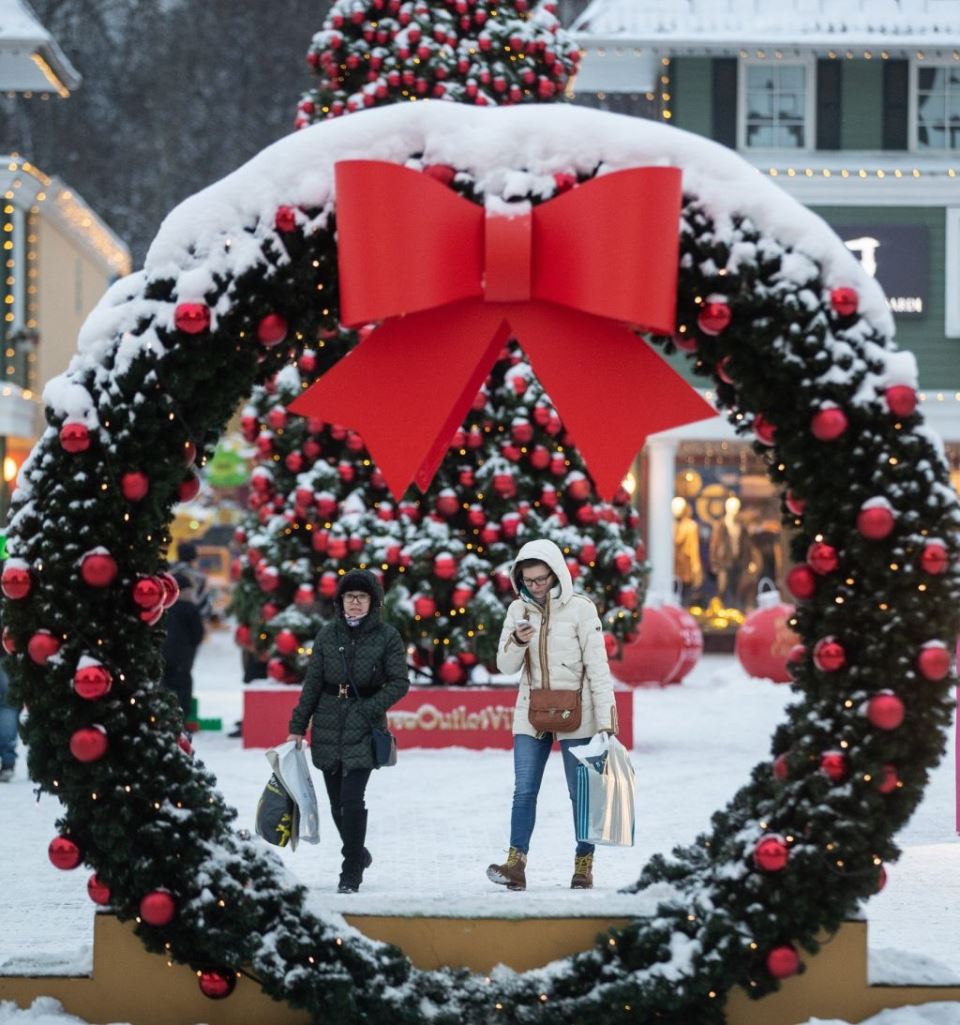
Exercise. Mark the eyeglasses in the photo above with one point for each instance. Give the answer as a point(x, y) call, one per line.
point(357, 599)
point(537, 581)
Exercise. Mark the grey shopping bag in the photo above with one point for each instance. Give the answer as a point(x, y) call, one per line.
point(287, 812)
point(606, 787)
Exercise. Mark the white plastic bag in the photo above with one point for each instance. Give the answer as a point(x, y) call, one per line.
point(606, 793)
point(290, 768)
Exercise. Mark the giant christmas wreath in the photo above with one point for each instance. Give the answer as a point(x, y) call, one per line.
point(797, 339)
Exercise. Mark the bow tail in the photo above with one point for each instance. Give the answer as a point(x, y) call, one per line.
point(609, 387)
point(408, 386)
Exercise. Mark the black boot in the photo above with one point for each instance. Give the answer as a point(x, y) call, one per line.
point(354, 832)
point(338, 822)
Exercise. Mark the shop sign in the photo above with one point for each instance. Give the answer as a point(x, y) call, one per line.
point(898, 256)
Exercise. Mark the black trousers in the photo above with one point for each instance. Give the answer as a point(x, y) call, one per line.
point(179, 679)
point(346, 792)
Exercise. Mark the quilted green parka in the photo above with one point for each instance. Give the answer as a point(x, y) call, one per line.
point(373, 654)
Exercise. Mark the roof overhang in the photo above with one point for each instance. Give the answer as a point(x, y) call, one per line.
point(31, 61)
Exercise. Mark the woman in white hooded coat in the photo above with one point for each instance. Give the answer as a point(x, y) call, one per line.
point(555, 636)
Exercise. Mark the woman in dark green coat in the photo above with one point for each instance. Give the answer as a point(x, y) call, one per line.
point(357, 671)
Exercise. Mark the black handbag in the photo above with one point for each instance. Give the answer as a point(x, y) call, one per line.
point(383, 744)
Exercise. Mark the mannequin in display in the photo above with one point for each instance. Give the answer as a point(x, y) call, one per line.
point(725, 547)
point(687, 567)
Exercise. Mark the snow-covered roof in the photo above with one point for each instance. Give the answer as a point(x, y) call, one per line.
point(30, 58)
point(723, 24)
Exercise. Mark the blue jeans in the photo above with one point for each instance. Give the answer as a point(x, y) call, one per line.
point(530, 756)
point(9, 717)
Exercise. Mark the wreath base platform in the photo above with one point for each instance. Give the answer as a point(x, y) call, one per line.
point(131, 985)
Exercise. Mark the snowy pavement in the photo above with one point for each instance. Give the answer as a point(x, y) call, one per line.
point(440, 816)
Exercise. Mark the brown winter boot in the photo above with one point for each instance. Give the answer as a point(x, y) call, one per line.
point(582, 873)
point(511, 873)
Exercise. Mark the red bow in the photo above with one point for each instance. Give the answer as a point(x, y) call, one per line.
point(452, 281)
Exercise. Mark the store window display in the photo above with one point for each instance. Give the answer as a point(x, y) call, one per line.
point(687, 564)
point(727, 550)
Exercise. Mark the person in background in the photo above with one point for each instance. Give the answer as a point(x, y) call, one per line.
point(556, 637)
point(9, 720)
point(186, 565)
point(184, 635)
point(357, 671)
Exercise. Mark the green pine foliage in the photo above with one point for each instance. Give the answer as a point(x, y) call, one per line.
point(469, 51)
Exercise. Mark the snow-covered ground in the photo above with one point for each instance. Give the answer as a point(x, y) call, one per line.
point(439, 817)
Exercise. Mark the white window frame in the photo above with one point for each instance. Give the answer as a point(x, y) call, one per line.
point(913, 100)
point(809, 63)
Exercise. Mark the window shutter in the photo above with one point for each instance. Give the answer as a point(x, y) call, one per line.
point(896, 97)
point(725, 101)
point(829, 99)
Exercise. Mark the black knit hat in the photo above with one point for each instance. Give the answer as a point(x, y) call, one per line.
point(360, 580)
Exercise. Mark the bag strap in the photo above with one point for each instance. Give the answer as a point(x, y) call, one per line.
point(527, 664)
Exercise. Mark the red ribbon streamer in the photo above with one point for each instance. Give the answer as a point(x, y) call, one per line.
point(452, 281)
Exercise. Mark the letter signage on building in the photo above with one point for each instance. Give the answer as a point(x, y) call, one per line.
point(898, 256)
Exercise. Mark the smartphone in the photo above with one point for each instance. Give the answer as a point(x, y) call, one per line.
point(524, 622)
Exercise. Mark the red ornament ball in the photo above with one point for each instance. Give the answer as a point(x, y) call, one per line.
point(650, 655)
point(447, 502)
point(64, 853)
point(781, 768)
point(802, 582)
point(901, 400)
point(833, 764)
point(445, 566)
point(171, 589)
point(15, 581)
point(424, 606)
point(685, 342)
point(286, 642)
point(92, 682)
point(327, 587)
point(134, 485)
point(6, 639)
point(183, 742)
point(723, 371)
point(97, 891)
point(766, 432)
point(845, 301)
point(933, 661)
point(217, 984)
point(192, 318)
point(188, 488)
point(885, 710)
point(74, 437)
point(98, 568)
point(822, 558)
point(42, 646)
point(148, 593)
point(442, 173)
point(285, 219)
point(771, 854)
point(796, 505)
point(782, 962)
point(829, 424)
point(934, 558)
point(89, 743)
point(623, 562)
point(272, 330)
point(158, 907)
point(714, 317)
point(451, 671)
point(829, 655)
point(764, 640)
point(578, 489)
point(889, 780)
point(242, 635)
point(875, 522)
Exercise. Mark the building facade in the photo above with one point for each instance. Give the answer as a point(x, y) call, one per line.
point(853, 107)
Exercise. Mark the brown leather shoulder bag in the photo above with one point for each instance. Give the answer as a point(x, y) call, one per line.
point(553, 711)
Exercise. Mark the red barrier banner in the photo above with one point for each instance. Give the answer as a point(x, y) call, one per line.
point(471, 717)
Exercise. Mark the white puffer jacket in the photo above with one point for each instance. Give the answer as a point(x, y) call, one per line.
point(568, 639)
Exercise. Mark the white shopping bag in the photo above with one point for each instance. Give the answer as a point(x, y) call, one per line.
point(289, 764)
point(606, 789)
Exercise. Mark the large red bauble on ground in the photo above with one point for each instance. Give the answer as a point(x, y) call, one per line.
point(651, 655)
point(691, 641)
point(764, 641)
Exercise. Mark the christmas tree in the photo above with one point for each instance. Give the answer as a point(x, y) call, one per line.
point(318, 504)
point(470, 51)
